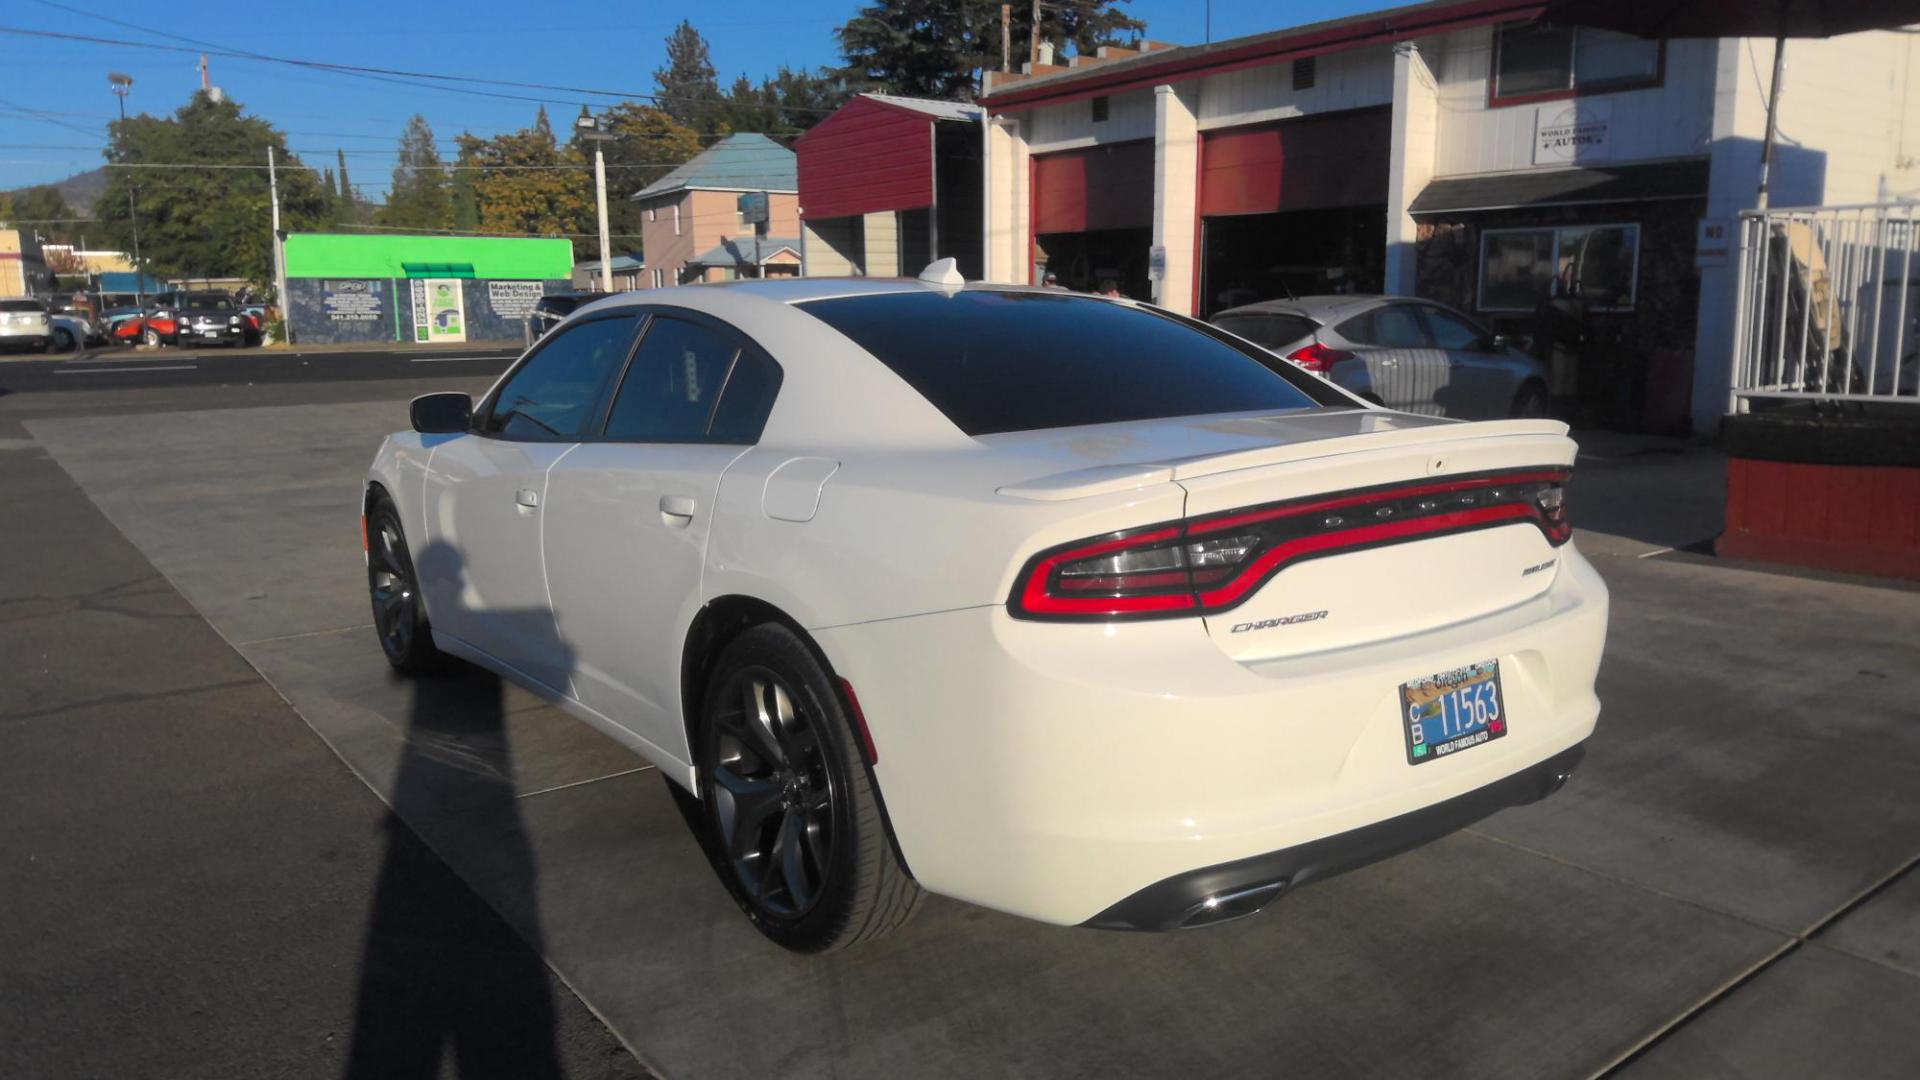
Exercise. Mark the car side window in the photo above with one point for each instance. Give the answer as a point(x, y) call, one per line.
point(1450, 331)
point(556, 394)
point(693, 383)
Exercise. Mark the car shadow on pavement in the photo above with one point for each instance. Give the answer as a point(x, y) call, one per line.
point(447, 987)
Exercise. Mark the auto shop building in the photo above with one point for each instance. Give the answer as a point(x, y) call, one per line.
point(1549, 180)
point(424, 289)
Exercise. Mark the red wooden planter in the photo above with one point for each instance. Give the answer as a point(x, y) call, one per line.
point(1861, 519)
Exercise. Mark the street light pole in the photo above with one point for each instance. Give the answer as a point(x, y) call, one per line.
point(588, 128)
point(122, 86)
point(279, 259)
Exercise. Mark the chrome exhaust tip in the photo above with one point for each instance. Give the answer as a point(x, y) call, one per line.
point(1238, 904)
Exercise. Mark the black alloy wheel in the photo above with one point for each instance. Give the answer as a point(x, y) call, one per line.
point(773, 794)
point(786, 807)
point(399, 615)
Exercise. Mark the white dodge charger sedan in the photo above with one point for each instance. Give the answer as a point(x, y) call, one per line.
point(1066, 606)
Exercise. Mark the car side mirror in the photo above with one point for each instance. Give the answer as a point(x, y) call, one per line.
point(441, 414)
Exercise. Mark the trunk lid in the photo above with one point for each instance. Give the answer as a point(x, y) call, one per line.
point(1374, 593)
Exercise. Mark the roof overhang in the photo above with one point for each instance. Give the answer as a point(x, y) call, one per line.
point(1197, 61)
point(1679, 179)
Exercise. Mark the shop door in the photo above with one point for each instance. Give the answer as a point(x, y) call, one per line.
point(439, 310)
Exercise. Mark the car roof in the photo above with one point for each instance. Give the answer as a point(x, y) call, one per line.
point(1321, 308)
point(799, 290)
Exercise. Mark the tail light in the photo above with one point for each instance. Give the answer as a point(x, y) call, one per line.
point(1213, 563)
point(1318, 358)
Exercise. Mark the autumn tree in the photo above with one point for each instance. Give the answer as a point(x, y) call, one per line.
point(526, 183)
point(198, 221)
point(421, 196)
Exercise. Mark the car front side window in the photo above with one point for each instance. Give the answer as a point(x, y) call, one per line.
point(557, 392)
point(1450, 331)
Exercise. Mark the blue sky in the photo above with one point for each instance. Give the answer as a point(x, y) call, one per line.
point(611, 46)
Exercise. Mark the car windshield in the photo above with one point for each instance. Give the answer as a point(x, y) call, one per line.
point(205, 302)
point(997, 361)
point(1268, 329)
point(21, 305)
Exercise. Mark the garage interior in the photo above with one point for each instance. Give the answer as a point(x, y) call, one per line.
point(1293, 208)
point(1093, 217)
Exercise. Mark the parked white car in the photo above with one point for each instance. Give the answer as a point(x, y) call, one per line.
point(1411, 355)
point(23, 324)
point(1061, 605)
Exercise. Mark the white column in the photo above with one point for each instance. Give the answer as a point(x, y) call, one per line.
point(1005, 243)
point(1416, 115)
point(1176, 172)
point(1739, 121)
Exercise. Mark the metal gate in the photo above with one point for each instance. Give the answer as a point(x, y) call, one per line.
point(1828, 306)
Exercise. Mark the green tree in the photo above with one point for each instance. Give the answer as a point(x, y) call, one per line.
point(936, 48)
point(686, 87)
point(785, 105)
point(48, 212)
point(421, 196)
point(201, 221)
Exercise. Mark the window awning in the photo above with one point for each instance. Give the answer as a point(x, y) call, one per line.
point(437, 270)
point(1565, 187)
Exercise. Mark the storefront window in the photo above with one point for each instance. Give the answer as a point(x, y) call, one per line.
point(1519, 268)
point(1535, 59)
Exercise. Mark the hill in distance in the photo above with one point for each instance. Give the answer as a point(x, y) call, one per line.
point(80, 190)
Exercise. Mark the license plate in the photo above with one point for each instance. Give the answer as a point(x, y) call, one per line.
point(1451, 711)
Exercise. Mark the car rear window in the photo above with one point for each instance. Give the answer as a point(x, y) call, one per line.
point(206, 302)
point(1267, 329)
point(21, 305)
point(997, 361)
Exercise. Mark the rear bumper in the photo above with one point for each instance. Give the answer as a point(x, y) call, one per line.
point(1218, 893)
point(1054, 771)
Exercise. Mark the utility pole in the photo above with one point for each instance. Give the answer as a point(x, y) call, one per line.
point(588, 128)
point(1033, 37)
point(279, 256)
point(1006, 37)
point(205, 83)
point(122, 86)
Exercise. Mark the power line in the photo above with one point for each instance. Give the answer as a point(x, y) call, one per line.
point(384, 74)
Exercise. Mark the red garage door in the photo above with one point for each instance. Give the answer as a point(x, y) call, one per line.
point(1100, 187)
point(1308, 163)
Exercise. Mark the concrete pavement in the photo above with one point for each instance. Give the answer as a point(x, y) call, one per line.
point(1726, 887)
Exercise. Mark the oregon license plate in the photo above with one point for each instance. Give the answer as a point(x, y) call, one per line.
point(1452, 711)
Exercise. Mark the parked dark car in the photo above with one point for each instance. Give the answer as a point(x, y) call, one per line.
point(210, 318)
point(551, 309)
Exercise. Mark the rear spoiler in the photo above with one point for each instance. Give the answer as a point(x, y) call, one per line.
point(1389, 431)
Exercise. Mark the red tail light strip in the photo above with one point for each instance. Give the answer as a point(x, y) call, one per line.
point(1350, 539)
point(1157, 593)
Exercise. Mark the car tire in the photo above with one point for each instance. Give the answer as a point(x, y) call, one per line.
point(787, 811)
point(1530, 402)
point(399, 611)
point(63, 340)
point(150, 338)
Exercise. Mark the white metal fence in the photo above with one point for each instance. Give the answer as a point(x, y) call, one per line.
point(1829, 305)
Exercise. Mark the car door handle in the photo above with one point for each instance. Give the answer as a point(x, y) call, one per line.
point(676, 511)
point(528, 498)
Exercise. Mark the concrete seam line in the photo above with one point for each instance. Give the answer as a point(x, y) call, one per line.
point(1792, 945)
point(1632, 884)
point(580, 783)
point(356, 628)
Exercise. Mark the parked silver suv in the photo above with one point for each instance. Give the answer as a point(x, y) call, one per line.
point(1411, 355)
point(23, 324)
